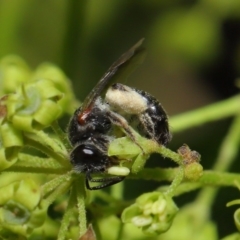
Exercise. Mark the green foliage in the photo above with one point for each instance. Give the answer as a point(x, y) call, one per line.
point(41, 197)
point(25, 202)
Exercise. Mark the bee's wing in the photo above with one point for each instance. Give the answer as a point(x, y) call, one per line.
point(97, 90)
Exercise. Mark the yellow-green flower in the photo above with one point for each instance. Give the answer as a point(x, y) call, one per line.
point(11, 141)
point(34, 106)
point(153, 212)
point(19, 213)
point(62, 83)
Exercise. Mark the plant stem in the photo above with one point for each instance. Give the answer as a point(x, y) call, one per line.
point(79, 187)
point(51, 142)
point(228, 151)
point(50, 186)
point(167, 153)
point(68, 215)
point(176, 182)
point(209, 178)
point(117, 191)
point(61, 134)
point(32, 164)
point(23, 169)
point(213, 112)
point(229, 147)
point(30, 141)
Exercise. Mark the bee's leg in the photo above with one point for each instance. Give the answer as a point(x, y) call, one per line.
point(120, 121)
point(106, 182)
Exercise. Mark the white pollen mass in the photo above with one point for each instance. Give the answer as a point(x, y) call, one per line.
point(129, 101)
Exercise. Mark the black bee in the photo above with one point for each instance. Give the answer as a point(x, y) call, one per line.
point(89, 130)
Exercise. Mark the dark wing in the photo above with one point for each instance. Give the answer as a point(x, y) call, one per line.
point(97, 90)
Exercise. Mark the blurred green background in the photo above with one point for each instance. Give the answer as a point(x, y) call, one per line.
point(193, 57)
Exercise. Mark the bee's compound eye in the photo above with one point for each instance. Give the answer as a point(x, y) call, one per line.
point(88, 158)
point(84, 153)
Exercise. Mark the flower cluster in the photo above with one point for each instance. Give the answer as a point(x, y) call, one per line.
point(153, 212)
point(34, 106)
point(30, 101)
point(20, 214)
point(33, 100)
point(14, 73)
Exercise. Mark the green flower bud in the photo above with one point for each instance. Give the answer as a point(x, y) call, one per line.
point(11, 141)
point(193, 171)
point(14, 213)
point(34, 106)
point(19, 192)
point(13, 72)
point(19, 211)
point(37, 218)
point(153, 212)
point(61, 82)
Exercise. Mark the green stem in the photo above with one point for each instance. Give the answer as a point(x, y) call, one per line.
point(61, 134)
point(219, 179)
point(184, 187)
point(79, 187)
point(156, 174)
point(30, 141)
point(150, 146)
point(23, 169)
point(117, 191)
point(59, 191)
point(167, 153)
point(32, 164)
point(227, 154)
point(213, 112)
point(229, 147)
point(50, 186)
point(50, 142)
point(70, 211)
point(209, 178)
point(176, 182)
